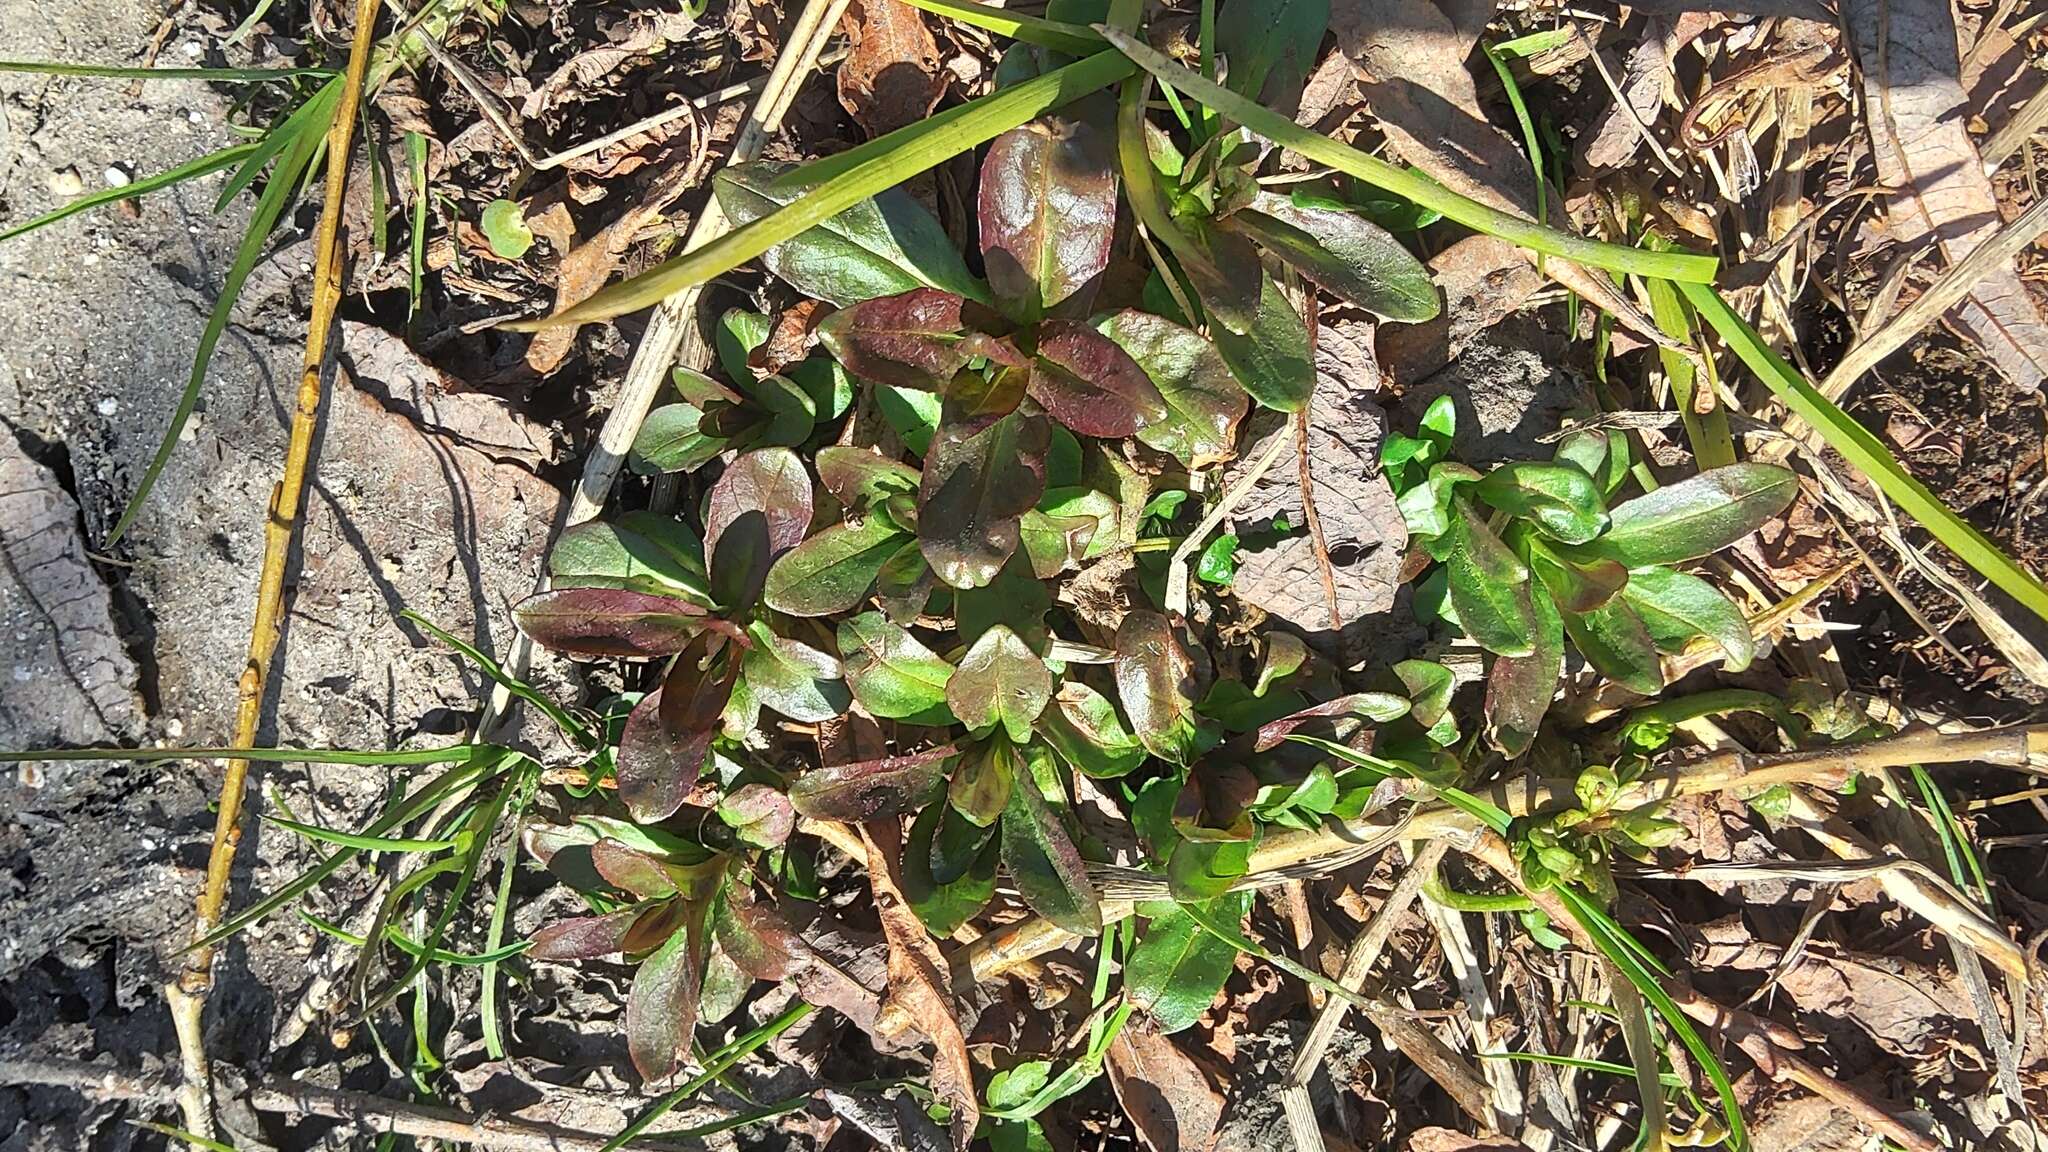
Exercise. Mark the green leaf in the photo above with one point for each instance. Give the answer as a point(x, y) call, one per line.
point(1084, 728)
point(758, 510)
point(1073, 38)
point(1204, 402)
point(1614, 640)
point(872, 789)
point(973, 492)
point(981, 781)
point(661, 1008)
point(904, 585)
point(1054, 543)
point(1159, 680)
point(1087, 382)
point(1347, 255)
point(1489, 586)
point(758, 815)
point(1044, 863)
point(1558, 498)
point(1430, 686)
point(1203, 870)
point(663, 556)
point(739, 333)
point(944, 907)
point(1218, 562)
point(999, 681)
point(879, 246)
point(1271, 360)
point(1097, 507)
point(1177, 970)
point(891, 672)
point(1048, 215)
point(1271, 45)
point(1380, 174)
point(1697, 516)
point(1578, 585)
point(860, 479)
point(1284, 656)
point(913, 339)
point(790, 414)
point(912, 413)
point(794, 678)
point(829, 386)
point(1868, 454)
point(671, 440)
point(504, 227)
point(832, 571)
point(1677, 606)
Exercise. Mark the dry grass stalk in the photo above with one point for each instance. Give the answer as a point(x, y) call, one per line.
point(187, 994)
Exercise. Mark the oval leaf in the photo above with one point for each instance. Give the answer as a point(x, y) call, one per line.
point(1000, 681)
point(973, 492)
point(631, 870)
point(1044, 863)
point(917, 339)
point(1349, 256)
point(661, 1008)
point(1159, 680)
point(1177, 969)
point(794, 678)
point(1558, 498)
point(1489, 586)
point(1084, 728)
point(1048, 214)
point(1519, 689)
point(1271, 358)
point(597, 622)
point(1677, 606)
point(832, 571)
point(945, 906)
point(1614, 640)
point(1088, 383)
point(585, 937)
point(1203, 401)
point(1697, 516)
point(772, 482)
point(859, 478)
point(872, 789)
point(891, 672)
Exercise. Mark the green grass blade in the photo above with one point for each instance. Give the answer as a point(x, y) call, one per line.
point(131, 72)
point(569, 725)
point(1711, 443)
point(412, 947)
point(318, 110)
point(1578, 1062)
point(355, 840)
point(180, 1136)
point(416, 160)
point(211, 162)
point(1323, 150)
point(715, 1065)
point(501, 914)
point(407, 808)
point(1529, 140)
point(1868, 453)
point(308, 140)
point(1076, 39)
point(409, 757)
point(881, 164)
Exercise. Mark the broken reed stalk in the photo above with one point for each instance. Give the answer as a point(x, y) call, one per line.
point(672, 336)
point(187, 994)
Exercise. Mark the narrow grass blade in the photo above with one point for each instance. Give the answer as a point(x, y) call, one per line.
point(1867, 453)
point(715, 1065)
point(881, 164)
point(354, 840)
point(180, 1136)
point(211, 162)
point(501, 914)
point(1077, 39)
point(476, 840)
point(412, 947)
point(1323, 150)
point(1711, 443)
point(1529, 138)
point(416, 160)
point(312, 116)
point(409, 807)
point(296, 162)
point(132, 72)
point(1578, 1062)
point(570, 726)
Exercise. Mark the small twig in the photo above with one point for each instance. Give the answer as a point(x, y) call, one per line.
point(187, 995)
point(1947, 292)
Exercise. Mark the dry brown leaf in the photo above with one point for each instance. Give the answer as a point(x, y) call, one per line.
point(893, 77)
point(917, 979)
point(791, 339)
point(1484, 279)
point(1163, 1091)
point(1445, 1140)
point(639, 34)
point(1915, 110)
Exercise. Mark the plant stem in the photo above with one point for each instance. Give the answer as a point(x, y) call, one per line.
point(187, 995)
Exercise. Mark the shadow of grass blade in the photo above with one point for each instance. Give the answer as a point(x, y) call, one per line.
point(211, 162)
point(1867, 453)
point(1682, 266)
point(132, 72)
point(1077, 39)
point(304, 137)
point(847, 180)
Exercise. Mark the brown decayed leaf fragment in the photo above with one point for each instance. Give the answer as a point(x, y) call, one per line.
point(1918, 128)
point(892, 78)
point(917, 979)
point(1163, 1091)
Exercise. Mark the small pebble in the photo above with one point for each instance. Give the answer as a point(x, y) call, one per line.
point(194, 49)
point(66, 182)
point(108, 405)
point(118, 176)
point(174, 728)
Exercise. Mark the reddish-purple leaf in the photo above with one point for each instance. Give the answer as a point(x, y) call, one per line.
point(1519, 689)
point(759, 814)
point(1048, 215)
point(774, 483)
point(1228, 278)
point(598, 622)
point(632, 870)
point(915, 339)
point(1377, 706)
point(975, 400)
point(973, 491)
point(756, 936)
point(1085, 381)
point(661, 1008)
point(668, 734)
point(871, 789)
point(585, 937)
point(1158, 678)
